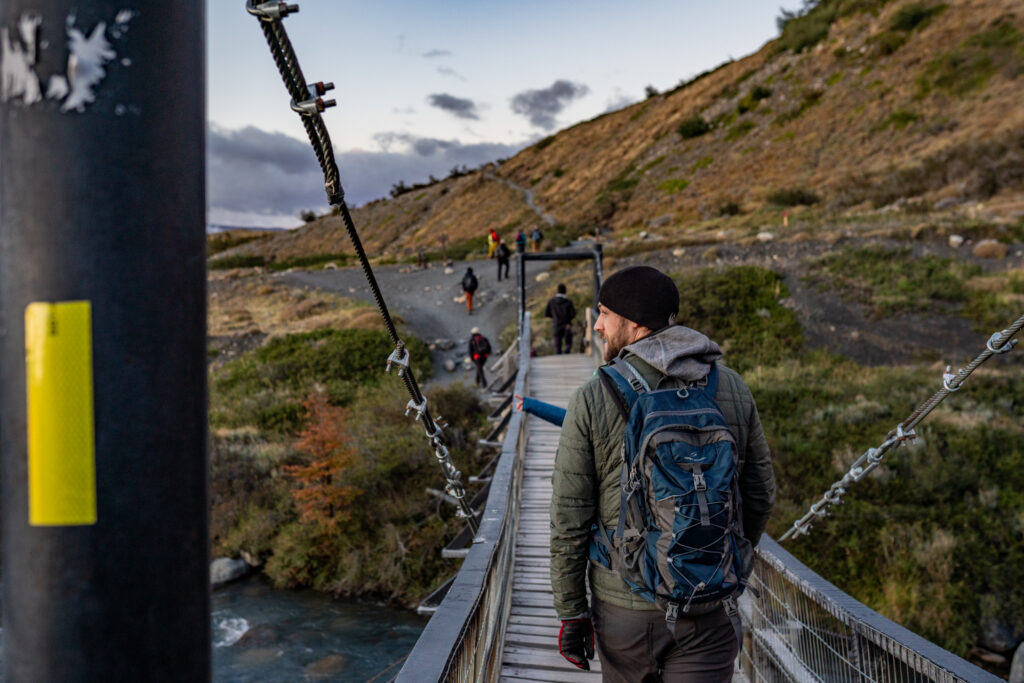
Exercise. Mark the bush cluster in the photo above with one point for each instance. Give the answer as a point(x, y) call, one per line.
point(693, 127)
point(793, 196)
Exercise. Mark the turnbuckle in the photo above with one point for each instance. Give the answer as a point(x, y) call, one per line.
point(271, 11)
point(1005, 348)
point(399, 357)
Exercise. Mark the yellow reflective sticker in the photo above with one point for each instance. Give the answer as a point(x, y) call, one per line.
point(61, 444)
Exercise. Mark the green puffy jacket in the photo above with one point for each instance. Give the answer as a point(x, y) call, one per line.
point(589, 462)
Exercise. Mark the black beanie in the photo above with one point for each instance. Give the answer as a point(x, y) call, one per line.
point(642, 294)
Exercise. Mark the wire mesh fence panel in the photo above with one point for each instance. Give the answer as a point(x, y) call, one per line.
point(800, 628)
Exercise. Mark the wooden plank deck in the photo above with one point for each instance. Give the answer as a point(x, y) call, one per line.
point(531, 638)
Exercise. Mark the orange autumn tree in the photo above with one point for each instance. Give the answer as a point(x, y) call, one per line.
point(322, 497)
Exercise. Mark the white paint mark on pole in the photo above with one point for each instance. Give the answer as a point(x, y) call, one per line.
point(85, 65)
point(88, 56)
point(19, 78)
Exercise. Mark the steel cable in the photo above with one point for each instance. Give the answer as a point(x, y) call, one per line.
point(308, 105)
point(998, 343)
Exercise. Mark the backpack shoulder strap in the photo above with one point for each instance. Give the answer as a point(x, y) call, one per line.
point(620, 389)
point(631, 375)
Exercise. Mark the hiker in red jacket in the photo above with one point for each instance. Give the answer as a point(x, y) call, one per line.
point(479, 350)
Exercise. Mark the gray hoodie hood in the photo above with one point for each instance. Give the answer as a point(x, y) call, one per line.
point(676, 351)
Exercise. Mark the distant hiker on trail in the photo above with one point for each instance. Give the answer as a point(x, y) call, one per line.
point(520, 241)
point(694, 433)
point(503, 255)
point(479, 350)
point(536, 238)
point(493, 239)
point(561, 311)
point(421, 259)
point(469, 285)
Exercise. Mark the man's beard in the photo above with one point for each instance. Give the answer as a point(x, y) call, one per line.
point(611, 350)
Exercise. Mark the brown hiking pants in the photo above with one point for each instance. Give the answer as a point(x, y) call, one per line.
point(636, 646)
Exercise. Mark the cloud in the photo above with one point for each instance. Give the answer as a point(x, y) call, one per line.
point(619, 100)
point(541, 106)
point(456, 106)
point(411, 159)
point(253, 174)
point(257, 178)
point(448, 71)
point(431, 54)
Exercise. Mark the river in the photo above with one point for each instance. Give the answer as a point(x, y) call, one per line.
point(263, 634)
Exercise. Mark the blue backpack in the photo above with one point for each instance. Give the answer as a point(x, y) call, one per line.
point(679, 541)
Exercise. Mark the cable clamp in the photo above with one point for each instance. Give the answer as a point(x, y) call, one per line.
point(399, 357)
point(901, 435)
point(312, 107)
point(420, 407)
point(948, 377)
point(271, 11)
point(1005, 348)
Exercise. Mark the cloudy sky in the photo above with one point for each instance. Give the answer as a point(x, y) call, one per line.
point(422, 87)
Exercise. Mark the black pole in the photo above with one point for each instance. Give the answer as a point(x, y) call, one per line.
point(102, 293)
point(521, 277)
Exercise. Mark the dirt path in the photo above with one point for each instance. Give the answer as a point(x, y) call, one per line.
point(527, 196)
point(426, 301)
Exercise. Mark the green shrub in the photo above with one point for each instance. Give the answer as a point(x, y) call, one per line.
point(310, 261)
point(915, 15)
point(739, 308)
point(739, 130)
point(265, 387)
point(559, 172)
point(803, 30)
point(808, 99)
point(793, 196)
point(544, 143)
point(673, 185)
point(703, 162)
point(651, 164)
point(899, 119)
point(728, 209)
point(693, 127)
point(890, 281)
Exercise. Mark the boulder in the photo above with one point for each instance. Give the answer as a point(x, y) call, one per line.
point(996, 634)
point(444, 344)
point(991, 249)
point(678, 251)
point(449, 270)
point(956, 241)
point(1017, 667)
point(224, 570)
point(330, 666)
point(258, 637)
point(449, 365)
point(541, 277)
point(765, 237)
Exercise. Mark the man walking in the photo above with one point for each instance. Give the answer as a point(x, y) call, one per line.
point(561, 311)
point(640, 640)
point(469, 285)
point(503, 254)
point(479, 350)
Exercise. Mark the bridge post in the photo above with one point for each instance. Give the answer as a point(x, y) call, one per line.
point(103, 422)
point(598, 270)
point(521, 283)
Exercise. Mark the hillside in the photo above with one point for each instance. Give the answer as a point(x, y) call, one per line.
point(857, 105)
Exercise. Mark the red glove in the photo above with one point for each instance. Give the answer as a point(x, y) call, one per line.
point(576, 642)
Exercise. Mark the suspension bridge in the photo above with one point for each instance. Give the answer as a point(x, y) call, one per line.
point(495, 620)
